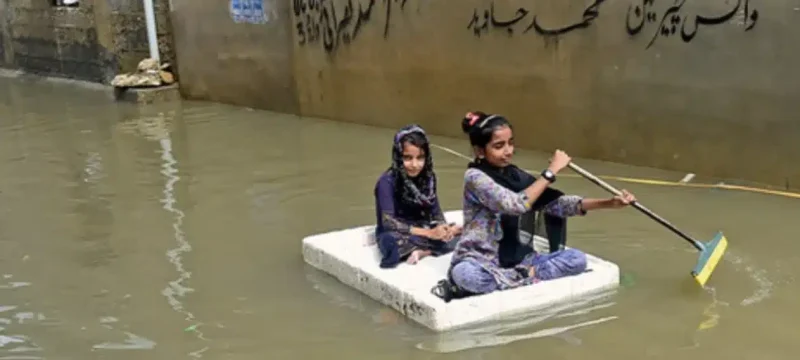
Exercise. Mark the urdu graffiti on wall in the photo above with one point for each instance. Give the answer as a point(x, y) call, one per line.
point(638, 16)
point(672, 19)
point(319, 20)
point(490, 21)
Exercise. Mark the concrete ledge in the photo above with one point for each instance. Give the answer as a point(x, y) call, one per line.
point(352, 257)
point(168, 93)
point(149, 95)
point(34, 77)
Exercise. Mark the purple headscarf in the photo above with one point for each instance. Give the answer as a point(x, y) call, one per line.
point(416, 196)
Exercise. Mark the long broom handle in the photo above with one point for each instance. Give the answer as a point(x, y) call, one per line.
point(635, 204)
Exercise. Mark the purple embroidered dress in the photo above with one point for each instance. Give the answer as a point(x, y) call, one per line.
point(393, 231)
point(475, 265)
point(402, 203)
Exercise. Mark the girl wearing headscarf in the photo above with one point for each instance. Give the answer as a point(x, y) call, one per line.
point(410, 222)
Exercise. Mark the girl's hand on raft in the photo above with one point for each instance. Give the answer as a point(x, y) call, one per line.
point(440, 232)
point(622, 201)
point(453, 231)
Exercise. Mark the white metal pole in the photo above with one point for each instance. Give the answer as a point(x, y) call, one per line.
point(152, 39)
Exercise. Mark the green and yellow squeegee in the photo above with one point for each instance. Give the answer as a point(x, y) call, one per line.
point(710, 252)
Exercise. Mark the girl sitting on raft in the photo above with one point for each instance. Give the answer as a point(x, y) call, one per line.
point(490, 256)
point(410, 222)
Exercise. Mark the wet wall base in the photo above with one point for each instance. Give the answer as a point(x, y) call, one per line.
point(703, 87)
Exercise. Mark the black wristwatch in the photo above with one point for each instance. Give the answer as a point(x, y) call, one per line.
point(549, 176)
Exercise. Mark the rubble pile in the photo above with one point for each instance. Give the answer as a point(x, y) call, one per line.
point(148, 74)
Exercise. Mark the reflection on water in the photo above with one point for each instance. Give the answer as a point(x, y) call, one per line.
point(561, 321)
point(174, 232)
point(156, 128)
point(13, 344)
point(177, 288)
point(571, 316)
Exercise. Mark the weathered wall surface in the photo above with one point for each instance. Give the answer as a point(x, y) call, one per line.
point(4, 60)
point(93, 41)
point(225, 56)
point(3, 33)
point(127, 31)
point(53, 40)
point(702, 86)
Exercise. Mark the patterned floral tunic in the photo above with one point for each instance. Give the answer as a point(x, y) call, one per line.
point(484, 202)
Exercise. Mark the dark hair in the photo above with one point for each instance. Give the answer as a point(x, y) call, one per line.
point(480, 127)
point(416, 139)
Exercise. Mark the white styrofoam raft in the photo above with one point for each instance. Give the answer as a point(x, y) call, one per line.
point(352, 257)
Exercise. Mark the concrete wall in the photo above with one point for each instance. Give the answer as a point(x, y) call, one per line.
point(721, 103)
point(224, 57)
point(680, 87)
point(597, 78)
point(3, 33)
point(93, 41)
point(4, 61)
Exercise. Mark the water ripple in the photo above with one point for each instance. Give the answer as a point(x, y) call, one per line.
point(133, 342)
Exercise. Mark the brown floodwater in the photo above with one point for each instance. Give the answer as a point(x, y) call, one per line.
point(174, 231)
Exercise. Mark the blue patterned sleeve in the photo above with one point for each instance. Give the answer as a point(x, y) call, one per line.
point(438, 213)
point(494, 196)
point(385, 204)
point(566, 206)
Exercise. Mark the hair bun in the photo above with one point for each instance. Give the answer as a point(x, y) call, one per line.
point(471, 119)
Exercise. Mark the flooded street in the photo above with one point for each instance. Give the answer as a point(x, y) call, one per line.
point(175, 232)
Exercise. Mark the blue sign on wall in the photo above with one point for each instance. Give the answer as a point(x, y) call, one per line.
point(248, 11)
